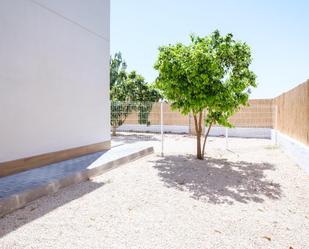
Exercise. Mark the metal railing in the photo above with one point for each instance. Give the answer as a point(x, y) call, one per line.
point(255, 120)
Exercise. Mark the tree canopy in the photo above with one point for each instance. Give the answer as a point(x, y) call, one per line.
point(211, 73)
point(117, 70)
point(129, 92)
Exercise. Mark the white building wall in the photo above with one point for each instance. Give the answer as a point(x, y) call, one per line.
point(54, 80)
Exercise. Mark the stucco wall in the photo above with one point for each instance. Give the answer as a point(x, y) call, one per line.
point(54, 81)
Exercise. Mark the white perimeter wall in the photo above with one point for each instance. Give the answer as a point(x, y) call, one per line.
point(154, 128)
point(298, 151)
point(241, 132)
point(215, 131)
point(54, 80)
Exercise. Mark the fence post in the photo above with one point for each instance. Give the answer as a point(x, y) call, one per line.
point(162, 128)
point(275, 123)
point(226, 138)
point(189, 129)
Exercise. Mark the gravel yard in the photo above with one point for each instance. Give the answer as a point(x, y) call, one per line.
point(252, 196)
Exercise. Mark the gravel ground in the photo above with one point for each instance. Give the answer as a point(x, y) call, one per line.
point(253, 196)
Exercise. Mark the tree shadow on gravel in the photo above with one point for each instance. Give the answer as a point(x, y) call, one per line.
point(218, 181)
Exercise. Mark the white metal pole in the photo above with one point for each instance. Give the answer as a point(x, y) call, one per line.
point(275, 125)
point(226, 138)
point(162, 131)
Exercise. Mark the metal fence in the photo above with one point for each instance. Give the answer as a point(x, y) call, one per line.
point(254, 120)
point(140, 121)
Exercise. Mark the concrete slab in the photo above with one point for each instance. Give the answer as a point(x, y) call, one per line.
point(19, 189)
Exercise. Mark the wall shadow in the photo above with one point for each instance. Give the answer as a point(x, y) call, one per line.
point(218, 181)
point(44, 205)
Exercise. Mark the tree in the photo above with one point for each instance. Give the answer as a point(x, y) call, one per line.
point(120, 102)
point(117, 70)
point(211, 73)
point(128, 93)
point(143, 95)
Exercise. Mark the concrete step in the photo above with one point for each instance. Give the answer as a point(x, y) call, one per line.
point(18, 190)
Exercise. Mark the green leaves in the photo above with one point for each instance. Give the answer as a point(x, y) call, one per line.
point(210, 73)
point(117, 69)
point(129, 92)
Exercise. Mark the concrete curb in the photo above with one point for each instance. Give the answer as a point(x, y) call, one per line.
point(9, 204)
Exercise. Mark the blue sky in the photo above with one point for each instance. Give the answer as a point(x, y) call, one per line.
point(277, 31)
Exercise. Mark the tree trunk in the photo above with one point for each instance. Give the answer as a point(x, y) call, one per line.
point(198, 130)
point(198, 147)
point(205, 139)
point(114, 130)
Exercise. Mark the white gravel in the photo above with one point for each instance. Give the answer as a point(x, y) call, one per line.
point(253, 196)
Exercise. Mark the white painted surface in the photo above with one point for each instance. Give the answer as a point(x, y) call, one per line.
point(215, 131)
point(298, 151)
point(241, 132)
point(154, 128)
point(54, 80)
